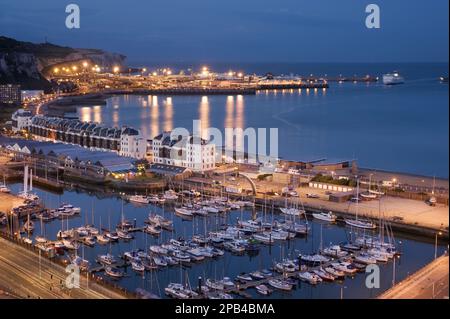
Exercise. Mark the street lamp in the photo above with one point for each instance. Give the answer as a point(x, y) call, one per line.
point(116, 69)
point(435, 243)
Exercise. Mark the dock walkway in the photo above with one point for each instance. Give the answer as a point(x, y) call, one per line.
point(430, 282)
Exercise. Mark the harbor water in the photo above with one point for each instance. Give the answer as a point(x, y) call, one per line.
point(106, 212)
point(400, 128)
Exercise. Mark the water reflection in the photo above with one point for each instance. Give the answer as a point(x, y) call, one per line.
point(154, 116)
point(239, 121)
point(85, 114)
point(204, 116)
point(229, 121)
point(168, 114)
point(97, 114)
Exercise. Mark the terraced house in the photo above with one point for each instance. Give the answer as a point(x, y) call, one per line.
point(126, 141)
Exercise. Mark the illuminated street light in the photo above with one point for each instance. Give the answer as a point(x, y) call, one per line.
point(169, 72)
point(230, 74)
point(144, 70)
point(240, 75)
point(74, 68)
point(116, 69)
point(85, 64)
point(154, 74)
point(55, 70)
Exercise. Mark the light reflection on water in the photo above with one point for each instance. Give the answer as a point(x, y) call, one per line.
point(345, 121)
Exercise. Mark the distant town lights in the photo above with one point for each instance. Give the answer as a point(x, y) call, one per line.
point(116, 69)
point(85, 64)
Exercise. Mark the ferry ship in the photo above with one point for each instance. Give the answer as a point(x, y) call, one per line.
point(393, 79)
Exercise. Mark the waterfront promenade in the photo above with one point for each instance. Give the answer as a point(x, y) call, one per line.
point(24, 274)
point(430, 282)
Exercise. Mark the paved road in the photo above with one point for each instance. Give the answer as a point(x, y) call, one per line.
point(431, 282)
point(24, 274)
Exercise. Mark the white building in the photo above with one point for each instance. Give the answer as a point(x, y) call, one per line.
point(197, 154)
point(132, 144)
point(21, 120)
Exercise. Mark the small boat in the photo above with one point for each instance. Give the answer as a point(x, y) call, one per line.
point(112, 236)
point(69, 244)
point(309, 277)
point(196, 254)
point(214, 284)
point(122, 234)
point(113, 272)
point(263, 290)
point(4, 189)
point(27, 240)
point(181, 257)
point(286, 266)
point(328, 217)
point(227, 282)
point(257, 275)
point(102, 239)
point(335, 251)
point(365, 259)
point(178, 291)
point(314, 260)
point(360, 224)
point(338, 274)
point(137, 266)
point(153, 230)
point(292, 211)
point(170, 195)
point(159, 261)
point(89, 240)
point(184, 212)
point(40, 239)
point(264, 238)
point(345, 267)
point(266, 273)
point(199, 239)
point(140, 199)
point(244, 277)
point(280, 284)
point(324, 275)
point(393, 79)
point(106, 259)
point(158, 250)
point(349, 247)
point(368, 196)
point(234, 247)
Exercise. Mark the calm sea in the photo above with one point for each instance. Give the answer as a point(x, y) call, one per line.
point(403, 128)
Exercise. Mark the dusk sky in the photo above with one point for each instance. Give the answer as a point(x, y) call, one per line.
point(239, 30)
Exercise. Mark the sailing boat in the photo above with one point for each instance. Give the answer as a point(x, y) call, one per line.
point(432, 201)
point(369, 195)
point(292, 211)
point(356, 222)
point(25, 194)
point(3, 187)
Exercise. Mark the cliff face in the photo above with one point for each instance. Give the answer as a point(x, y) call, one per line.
point(27, 63)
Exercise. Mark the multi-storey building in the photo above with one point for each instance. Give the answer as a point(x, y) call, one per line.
point(21, 120)
point(126, 141)
point(191, 152)
point(10, 94)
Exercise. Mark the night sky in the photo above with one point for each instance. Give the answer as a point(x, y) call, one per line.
point(239, 30)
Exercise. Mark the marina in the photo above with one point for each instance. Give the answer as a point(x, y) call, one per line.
point(210, 246)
